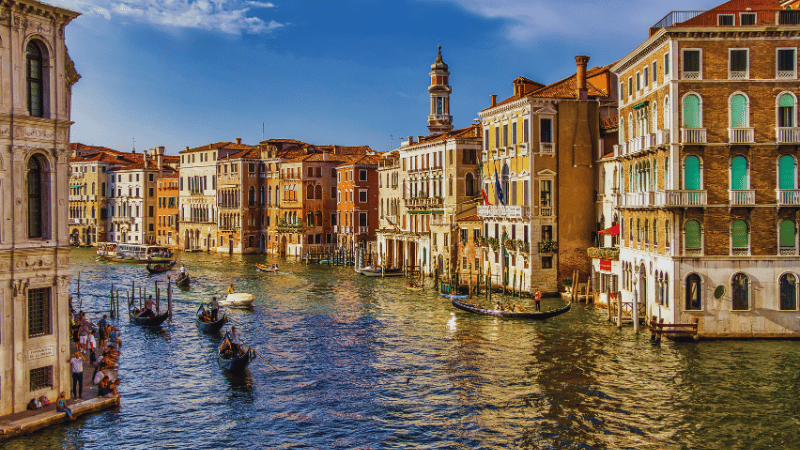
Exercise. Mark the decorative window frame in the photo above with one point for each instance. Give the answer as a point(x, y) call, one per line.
point(749, 291)
point(748, 13)
point(683, 63)
point(702, 238)
point(700, 108)
point(730, 72)
point(720, 18)
point(777, 68)
point(749, 238)
point(701, 289)
point(796, 291)
point(746, 111)
point(683, 171)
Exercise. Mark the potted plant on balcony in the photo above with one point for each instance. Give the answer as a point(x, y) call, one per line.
point(493, 243)
point(525, 247)
point(510, 244)
point(548, 246)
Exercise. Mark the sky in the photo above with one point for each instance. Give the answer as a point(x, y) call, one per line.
point(178, 73)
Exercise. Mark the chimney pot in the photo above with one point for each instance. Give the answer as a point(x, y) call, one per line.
point(581, 62)
point(238, 140)
point(494, 99)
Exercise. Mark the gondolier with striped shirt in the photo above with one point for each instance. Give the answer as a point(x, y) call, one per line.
point(537, 300)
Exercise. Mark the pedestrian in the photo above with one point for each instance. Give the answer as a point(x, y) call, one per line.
point(83, 333)
point(214, 305)
point(102, 331)
point(537, 299)
point(61, 405)
point(92, 346)
point(76, 364)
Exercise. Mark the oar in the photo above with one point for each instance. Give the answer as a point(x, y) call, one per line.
point(237, 323)
point(261, 356)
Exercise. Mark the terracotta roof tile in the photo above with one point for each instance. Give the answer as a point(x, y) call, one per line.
point(472, 218)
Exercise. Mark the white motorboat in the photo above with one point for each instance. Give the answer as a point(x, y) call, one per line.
point(238, 300)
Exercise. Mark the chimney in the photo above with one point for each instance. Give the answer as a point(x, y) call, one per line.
point(494, 99)
point(238, 140)
point(325, 156)
point(581, 62)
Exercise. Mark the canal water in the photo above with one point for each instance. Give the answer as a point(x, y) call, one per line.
point(366, 363)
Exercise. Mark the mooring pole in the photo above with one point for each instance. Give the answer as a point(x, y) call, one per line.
point(169, 297)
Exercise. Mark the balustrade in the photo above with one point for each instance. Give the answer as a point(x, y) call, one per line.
point(741, 135)
point(742, 197)
point(787, 135)
point(788, 197)
point(693, 135)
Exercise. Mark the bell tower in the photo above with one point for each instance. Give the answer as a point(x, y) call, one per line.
point(440, 120)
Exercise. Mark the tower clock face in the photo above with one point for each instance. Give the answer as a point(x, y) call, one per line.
point(439, 106)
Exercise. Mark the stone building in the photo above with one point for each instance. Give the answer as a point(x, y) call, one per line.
point(539, 172)
point(241, 199)
point(198, 193)
point(37, 76)
point(357, 203)
point(708, 178)
point(167, 210)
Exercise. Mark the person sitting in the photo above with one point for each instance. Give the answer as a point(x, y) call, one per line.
point(61, 405)
point(108, 388)
point(497, 307)
point(225, 348)
point(205, 316)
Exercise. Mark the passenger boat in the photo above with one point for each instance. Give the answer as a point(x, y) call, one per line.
point(236, 364)
point(182, 280)
point(209, 327)
point(106, 249)
point(373, 271)
point(145, 321)
point(263, 268)
point(135, 253)
point(534, 315)
point(239, 300)
point(160, 268)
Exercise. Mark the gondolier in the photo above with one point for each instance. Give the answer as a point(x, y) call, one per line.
point(537, 300)
point(214, 306)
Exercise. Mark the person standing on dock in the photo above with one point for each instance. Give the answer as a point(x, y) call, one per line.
point(102, 331)
point(76, 364)
point(537, 300)
point(214, 306)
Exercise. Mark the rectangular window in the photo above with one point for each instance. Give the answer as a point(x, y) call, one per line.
point(546, 130)
point(150, 227)
point(362, 175)
point(655, 72)
point(150, 211)
point(41, 378)
point(646, 77)
point(787, 63)
point(525, 192)
point(666, 64)
point(725, 20)
point(496, 137)
point(486, 139)
point(476, 235)
point(150, 177)
point(362, 196)
point(630, 86)
point(546, 193)
point(638, 81)
point(505, 135)
point(525, 125)
point(738, 68)
point(39, 320)
point(547, 262)
point(747, 18)
point(514, 133)
point(691, 65)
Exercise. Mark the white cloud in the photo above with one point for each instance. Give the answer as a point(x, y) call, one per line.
point(227, 16)
point(529, 19)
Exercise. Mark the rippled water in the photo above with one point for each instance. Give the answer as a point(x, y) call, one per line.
point(366, 363)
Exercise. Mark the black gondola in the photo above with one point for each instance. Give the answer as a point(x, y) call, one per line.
point(146, 321)
point(209, 327)
point(514, 315)
point(160, 268)
point(236, 364)
point(182, 280)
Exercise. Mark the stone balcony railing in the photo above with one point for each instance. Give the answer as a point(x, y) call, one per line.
point(693, 135)
point(788, 197)
point(787, 135)
point(681, 199)
point(509, 212)
point(742, 197)
point(741, 135)
point(637, 200)
point(547, 147)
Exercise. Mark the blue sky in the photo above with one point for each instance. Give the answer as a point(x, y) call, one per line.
point(183, 73)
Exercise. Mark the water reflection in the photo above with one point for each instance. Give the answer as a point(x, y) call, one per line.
point(367, 363)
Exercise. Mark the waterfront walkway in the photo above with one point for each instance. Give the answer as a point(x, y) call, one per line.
point(29, 421)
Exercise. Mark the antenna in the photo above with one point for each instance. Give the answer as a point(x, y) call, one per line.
point(134, 144)
point(262, 130)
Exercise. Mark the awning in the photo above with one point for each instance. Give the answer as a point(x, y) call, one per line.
point(640, 105)
point(613, 231)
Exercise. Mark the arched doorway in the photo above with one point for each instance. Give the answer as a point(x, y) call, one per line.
point(282, 246)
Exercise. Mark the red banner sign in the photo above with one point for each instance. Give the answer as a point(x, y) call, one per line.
point(605, 264)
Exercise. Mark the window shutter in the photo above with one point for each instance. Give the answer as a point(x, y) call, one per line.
point(692, 231)
point(691, 112)
point(691, 173)
point(787, 234)
point(738, 111)
point(787, 178)
point(740, 234)
point(739, 173)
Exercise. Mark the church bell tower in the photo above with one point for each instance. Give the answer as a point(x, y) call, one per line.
point(440, 120)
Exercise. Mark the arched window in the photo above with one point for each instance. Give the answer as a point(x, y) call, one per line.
point(35, 79)
point(787, 112)
point(506, 183)
point(691, 111)
point(667, 118)
point(450, 186)
point(740, 179)
point(691, 173)
point(666, 234)
point(788, 292)
point(647, 231)
point(693, 292)
point(740, 237)
point(654, 178)
point(655, 117)
point(251, 196)
point(630, 232)
point(740, 290)
point(638, 231)
point(630, 127)
point(788, 237)
point(261, 196)
point(35, 199)
point(739, 117)
point(621, 129)
point(787, 172)
point(666, 289)
point(310, 191)
point(692, 238)
point(470, 187)
point(655, 233)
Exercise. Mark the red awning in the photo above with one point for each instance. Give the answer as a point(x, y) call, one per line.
point(613, 231)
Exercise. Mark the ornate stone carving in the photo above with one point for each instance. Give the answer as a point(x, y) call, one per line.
point(5, 131)
point(35, 133)
point(19, 287)
point(20, 153)
point(63, 283)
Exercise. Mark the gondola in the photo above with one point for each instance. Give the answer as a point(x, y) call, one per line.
point(379, 272)
point(182, 280)
point(454, 296)
point(514, 315)
point(236, 364)
point(160, 268)
point(263, 268)
point(146, 321)
point(209, 327)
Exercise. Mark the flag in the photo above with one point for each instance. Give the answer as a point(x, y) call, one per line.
point(485, 197)
point(498, 189)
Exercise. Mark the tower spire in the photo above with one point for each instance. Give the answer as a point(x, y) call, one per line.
point(440, 120)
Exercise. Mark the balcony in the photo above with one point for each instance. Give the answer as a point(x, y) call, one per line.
point(788, 251)
point(662, 137)
point(430, 202)
point(637, 200)
point(788, 197)
point(363, 230)
point(681, 199)
point(547, 147)
point(522, 149)
point(742, 197)
point(787, 135)
point(507, 212)
point(693, 135)
point(691, 75)
point(693, 251)
point(741, 135)
point(546, 211)
point(122, 219)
